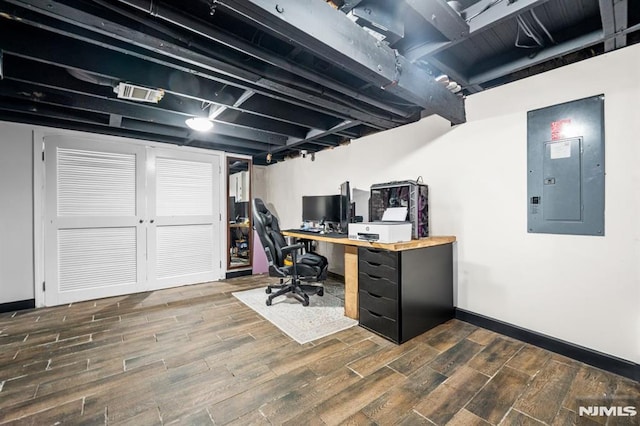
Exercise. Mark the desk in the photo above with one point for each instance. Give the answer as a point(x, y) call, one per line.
point(411, 276)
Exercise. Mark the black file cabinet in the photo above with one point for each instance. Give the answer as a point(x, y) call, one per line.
point(402, 294)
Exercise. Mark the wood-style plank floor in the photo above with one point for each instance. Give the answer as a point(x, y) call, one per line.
point(195, 355)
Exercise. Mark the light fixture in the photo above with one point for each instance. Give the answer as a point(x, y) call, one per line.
point(199, 124)
point(443, 79)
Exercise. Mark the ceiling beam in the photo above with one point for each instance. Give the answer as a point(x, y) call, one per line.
point(315, 134)
point(334, 37)
point(442, 17)
point(544, 55)
point(613, 14)
point(188, 60)
point(481, 16)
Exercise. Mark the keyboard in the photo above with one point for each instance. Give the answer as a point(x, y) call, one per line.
point(318, 230)
point(313, 230)
point(336, 235)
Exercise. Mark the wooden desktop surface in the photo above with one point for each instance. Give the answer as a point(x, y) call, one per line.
point(408, 245)
point(351, 259)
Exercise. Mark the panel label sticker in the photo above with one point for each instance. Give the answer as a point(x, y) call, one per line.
point(560, 150)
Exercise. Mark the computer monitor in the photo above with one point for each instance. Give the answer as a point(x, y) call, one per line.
point(242, 210)
point(345, 206)
point(321, 208)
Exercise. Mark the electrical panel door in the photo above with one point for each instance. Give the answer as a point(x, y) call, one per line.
point(565, 160)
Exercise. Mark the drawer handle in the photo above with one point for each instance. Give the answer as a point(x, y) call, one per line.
point(374, 277)
point(373, 263)
point(375, 315)
point(374, 295)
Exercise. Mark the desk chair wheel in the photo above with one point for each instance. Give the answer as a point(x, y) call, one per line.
point(268, 290)
point(269, 301)
point(305, 302)
point(321, 292)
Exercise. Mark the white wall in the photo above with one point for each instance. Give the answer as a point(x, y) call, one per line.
point(585, 290)
point(16, 213)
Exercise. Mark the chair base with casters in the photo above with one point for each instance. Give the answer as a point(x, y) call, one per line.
point(295, 276)
point(300, 291)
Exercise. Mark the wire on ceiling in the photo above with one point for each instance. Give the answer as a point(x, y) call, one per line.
point(530, 31)
point(533, 13)
point(484, 9)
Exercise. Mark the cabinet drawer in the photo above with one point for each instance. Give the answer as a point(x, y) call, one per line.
point(380, 324)
point(378, 286)
point(378, 270)
point(377, 256)
point(378, 304)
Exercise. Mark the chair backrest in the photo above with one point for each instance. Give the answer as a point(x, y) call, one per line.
point(268, 230)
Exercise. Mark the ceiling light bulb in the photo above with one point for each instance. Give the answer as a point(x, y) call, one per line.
point(443, 79)
point(199, 124)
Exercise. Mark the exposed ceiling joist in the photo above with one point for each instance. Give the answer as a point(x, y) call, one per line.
point(316, 134)
point(333, 36)
point(481, 16)
point(442, 17)
point(548, 53)
point(614, 21)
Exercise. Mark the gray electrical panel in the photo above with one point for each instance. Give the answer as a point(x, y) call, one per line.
point(565, 161)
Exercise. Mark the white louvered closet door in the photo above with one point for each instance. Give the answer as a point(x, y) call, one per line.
point(94, 242)
point(184, 218)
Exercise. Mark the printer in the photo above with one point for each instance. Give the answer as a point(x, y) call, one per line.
point(380, 232)
point(393, 228)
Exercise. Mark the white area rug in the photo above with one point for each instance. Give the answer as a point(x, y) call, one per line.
point(323, 316)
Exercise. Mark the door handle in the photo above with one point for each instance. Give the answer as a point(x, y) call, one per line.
point(151, 221)
point(141, 221)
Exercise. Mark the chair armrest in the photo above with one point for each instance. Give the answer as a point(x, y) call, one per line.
point(292, 247)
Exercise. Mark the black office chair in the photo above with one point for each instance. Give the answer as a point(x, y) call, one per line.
point(309, 267)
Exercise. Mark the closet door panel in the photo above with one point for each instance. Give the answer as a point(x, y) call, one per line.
point(184, 218)
point(94, 242)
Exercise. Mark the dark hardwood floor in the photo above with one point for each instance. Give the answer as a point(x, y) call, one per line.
point(196, 355)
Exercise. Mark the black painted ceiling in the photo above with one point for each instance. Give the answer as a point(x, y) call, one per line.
point(280, 76)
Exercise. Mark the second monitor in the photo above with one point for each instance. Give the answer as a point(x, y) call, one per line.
point(321, 208)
